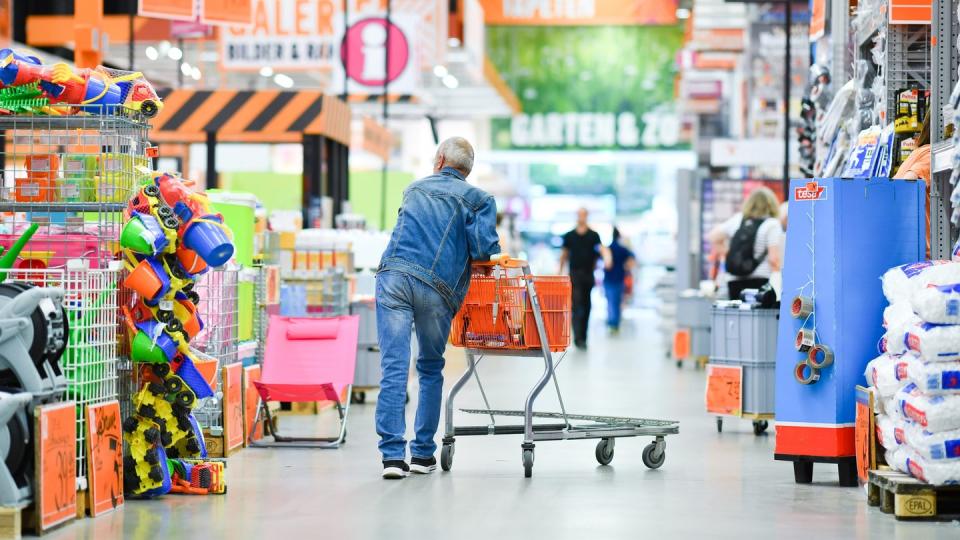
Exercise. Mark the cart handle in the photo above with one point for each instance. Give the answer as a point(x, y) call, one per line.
point(503, 260)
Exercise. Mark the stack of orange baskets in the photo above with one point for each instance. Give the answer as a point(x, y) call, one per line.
point(497, 314)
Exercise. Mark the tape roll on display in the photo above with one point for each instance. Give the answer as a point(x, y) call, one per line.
point(805, 339)
point(805, 373)
point(820, 356)
point(801, 307)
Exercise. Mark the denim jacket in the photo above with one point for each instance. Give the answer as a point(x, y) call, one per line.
point(443, 224)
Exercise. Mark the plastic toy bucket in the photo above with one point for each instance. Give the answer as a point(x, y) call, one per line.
point(148, 280)
point(210, 242)
point(137, 238)
point(143, 348)
point(191, 261)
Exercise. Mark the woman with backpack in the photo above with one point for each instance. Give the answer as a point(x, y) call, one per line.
point(752, 242)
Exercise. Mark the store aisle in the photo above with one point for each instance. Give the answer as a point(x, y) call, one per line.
point(711, 486)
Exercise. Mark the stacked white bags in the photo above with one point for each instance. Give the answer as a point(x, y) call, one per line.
point(917, 377)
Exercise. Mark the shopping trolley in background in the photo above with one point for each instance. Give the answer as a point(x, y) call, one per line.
point(509, 312)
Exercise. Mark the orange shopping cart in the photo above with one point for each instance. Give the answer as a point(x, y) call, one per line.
point(510, 312)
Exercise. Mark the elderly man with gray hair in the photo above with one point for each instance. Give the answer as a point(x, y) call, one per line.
point(444, 223)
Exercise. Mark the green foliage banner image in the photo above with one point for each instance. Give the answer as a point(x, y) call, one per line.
point(588, 87)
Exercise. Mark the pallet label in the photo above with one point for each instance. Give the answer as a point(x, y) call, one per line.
point(915, 505)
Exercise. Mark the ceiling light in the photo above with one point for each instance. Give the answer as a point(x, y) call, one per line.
point(440, 71)
point(283, 81)
point(683, 13)
point(175, 53)
point(185, 68)
point(266, 71)
point(164, 47)
point(453, 42)
point(450, 81)
point(195, 73)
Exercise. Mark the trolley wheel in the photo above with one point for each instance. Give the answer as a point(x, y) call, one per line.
point(650, 457)
point(604, 451)
point(719, 424)
point(527, 462)
point(446, 456)
point(359, 397)
point(759, 426)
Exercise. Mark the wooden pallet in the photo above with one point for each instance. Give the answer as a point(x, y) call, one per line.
point(11, 523)
point(908, 498)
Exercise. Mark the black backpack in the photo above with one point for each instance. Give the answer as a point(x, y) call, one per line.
point(740, 259)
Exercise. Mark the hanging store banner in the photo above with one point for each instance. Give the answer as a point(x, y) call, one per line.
point(228, 12)
point(577, 91)
point(304, 35)
point(579, 12)
point(911, 11)
point(184, 10)
point(286, 35)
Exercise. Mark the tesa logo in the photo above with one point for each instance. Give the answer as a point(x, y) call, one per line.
point(810, 192)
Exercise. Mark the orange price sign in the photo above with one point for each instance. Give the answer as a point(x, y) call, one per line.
point(233, 406)
point(227, 12)
point(168, 9)
point(56, 458)
point(104, 457)
point(864, 433)
point(724, 393)
point(251, 398)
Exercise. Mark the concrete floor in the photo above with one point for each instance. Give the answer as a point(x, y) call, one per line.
point(711, 486)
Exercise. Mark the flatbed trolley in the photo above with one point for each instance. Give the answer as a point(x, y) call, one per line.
point(510, 312)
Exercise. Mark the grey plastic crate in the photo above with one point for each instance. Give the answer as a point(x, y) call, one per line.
point(367, 373)
point(699, 342)
point(759, 381)
point(744, 335)
point(693, 311)
point(367, 310)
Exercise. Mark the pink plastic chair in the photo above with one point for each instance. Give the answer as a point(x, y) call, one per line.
point(308, 359)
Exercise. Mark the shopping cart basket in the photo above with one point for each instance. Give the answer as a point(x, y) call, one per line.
point(510, 312)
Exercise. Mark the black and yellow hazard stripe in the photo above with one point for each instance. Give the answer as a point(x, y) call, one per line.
point(264, 116)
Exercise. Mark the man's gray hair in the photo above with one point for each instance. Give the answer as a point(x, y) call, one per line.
point(457, 153)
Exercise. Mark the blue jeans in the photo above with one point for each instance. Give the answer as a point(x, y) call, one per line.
point(404, 301)
point(614, 293)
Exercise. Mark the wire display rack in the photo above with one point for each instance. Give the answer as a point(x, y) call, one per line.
point(90, 363)
point(218, 339)
point(72, 176)
point(322, 293)
point(267, 298)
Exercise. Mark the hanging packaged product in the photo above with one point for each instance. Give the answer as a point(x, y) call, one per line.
point(861, 163)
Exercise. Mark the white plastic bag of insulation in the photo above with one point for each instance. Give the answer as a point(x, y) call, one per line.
point(897, 458)
point(933, 446)
point(936, 472)
point(931, 377)
point(938, 304)
point(901, 282)
point(934, 342)
point(884, 374)
point(890, 431)
point(933, 413)
point(894, 341)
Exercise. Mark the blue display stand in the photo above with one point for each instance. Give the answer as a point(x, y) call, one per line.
point(842, 235)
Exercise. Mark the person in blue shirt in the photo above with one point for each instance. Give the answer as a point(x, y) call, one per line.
point(443, 224)
point(619, 264)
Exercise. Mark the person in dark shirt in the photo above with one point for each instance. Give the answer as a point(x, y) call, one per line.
point(614, 275)
point(582, 249)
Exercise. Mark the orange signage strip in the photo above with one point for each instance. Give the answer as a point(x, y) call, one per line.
point(227, 12)
point(168, 9)
point(579, 12)
point(911, 11)
point(47, 30)
point(818, 19)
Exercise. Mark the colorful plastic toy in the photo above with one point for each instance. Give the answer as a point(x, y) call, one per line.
point(59, 83)
point(171, 236)
point(143, 470)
